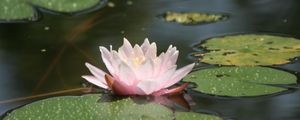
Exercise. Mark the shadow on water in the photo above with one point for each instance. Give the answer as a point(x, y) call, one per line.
point(49, 55)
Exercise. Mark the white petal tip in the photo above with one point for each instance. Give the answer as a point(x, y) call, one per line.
point(94, 81)
point(193, 64)
point(125, 40)
point(87, 64)
point(153, 43)
point(190, 66)
point(101, 48)
point(146, 40)
point(83, 76)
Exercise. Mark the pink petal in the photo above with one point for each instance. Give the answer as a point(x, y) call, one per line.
point(161, 55)
point(145, 46)
point(166, 75)
point(95, 81)
point(169, 58)
point(121, 88)
point(118, 87)
point(99, 74)
point(160, 92)
point(107, 58)
point(151, 52)
point(139, 91)
point(171, 50)
point(145, 70)
point(138, 52)
point(159, 63)
point(126, 49)
point(126, 74)
point(174, 57)
point(165, 62)
point(115, 62)
point(148, 87)
point(179, 74)
point(170, 47)
point(156, 67)
point(136, 58)
point(171, 91)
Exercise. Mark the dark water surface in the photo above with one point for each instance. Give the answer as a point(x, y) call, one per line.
point(49, 55)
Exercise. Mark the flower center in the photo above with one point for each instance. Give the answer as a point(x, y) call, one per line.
point(138, 60)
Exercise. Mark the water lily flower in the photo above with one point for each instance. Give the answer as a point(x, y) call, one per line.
point(138, 70)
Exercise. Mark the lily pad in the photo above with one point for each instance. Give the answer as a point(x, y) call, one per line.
point(194, 116)
point(24, 9)
point(240, 81)
point(250, 50)
point(192, 17)
point(88, 107)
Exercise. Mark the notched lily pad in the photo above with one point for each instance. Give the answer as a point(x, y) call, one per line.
point(250, 50)
point(23, 9)
point(240, 81)
point(190, 18)
point(88, 107)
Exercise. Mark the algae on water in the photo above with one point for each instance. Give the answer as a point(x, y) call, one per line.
point(191, 17)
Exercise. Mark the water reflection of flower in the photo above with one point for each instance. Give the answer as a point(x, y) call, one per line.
point(138, 70)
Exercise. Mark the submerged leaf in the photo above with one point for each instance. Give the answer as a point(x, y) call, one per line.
point(240, 81)
point(250, 50)
point(191, 17)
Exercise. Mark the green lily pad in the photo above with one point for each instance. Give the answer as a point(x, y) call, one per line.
point(194, 116)
point(192, 17)
point(14, 9)
point(250, 50)
point(23, 9)
point(88, 107)
point(240, 81)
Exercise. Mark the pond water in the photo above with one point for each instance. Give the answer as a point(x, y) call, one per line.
point(49, 55)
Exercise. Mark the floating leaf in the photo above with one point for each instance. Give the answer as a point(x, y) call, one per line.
point(250, 50)
point(88, 107)
point(23, 9)
point(192, 17)
point(15, 9)
point(194, 116)
point(240, 81)
point(65, 5)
